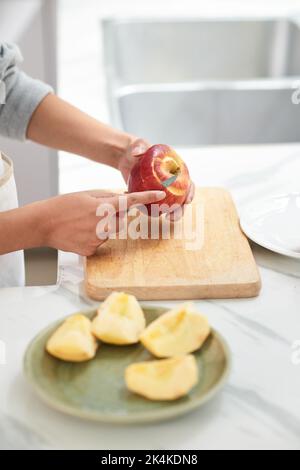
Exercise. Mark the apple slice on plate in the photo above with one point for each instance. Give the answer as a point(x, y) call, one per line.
point(73, 340)
point(167, 379)
point(120, 320)
point(180, 331)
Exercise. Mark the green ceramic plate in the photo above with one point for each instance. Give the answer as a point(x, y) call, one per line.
point(96, 390)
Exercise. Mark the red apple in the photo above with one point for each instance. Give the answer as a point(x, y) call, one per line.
point(160, 168)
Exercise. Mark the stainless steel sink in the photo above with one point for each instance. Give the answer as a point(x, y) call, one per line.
point(203, 81)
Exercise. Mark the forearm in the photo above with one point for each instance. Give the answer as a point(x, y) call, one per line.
point(57, 124)
point(21, 229)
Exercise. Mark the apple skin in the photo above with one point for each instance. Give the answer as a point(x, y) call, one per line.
point(158, 164)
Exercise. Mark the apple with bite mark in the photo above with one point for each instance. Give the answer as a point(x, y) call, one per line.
point(160, 168)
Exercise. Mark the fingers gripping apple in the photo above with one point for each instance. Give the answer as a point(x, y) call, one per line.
point(179, 331)
point(166, 379)
point(73, 340)
point(160, 168)
point(120, 320)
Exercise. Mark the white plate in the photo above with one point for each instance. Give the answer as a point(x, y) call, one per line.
point(274, 223)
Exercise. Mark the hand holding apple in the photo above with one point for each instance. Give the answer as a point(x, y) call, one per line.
point(161, 168)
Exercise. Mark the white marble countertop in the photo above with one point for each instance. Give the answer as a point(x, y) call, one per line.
point(259, 407)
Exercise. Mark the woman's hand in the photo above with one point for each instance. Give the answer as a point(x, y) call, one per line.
point(136, 148)
point(134, 151)
point(177, 214)
point(69, 222)
point(59, 125)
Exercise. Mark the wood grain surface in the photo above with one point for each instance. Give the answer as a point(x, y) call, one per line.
point(215, 261)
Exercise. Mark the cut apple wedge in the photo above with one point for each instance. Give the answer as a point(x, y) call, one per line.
point(120, 320)
point(166, 379)
point(179, 331)
point(73, 341)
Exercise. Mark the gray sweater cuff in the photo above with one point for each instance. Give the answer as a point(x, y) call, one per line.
point(23, 99)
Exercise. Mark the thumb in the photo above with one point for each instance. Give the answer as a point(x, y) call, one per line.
point(138, 147)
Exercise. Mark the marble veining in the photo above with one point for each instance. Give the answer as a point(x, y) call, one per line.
point(283, 419)
point(16, 436)
point(258, 408)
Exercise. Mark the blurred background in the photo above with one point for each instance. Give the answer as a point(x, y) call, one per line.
point(188, 73)
point(145, 70)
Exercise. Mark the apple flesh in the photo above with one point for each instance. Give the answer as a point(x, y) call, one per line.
point(73, 341)
point(179, 331)
point(167, 379)
point(160, 168)
point(120, 320)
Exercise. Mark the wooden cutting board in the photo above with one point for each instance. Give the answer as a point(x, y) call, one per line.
point(218, 264)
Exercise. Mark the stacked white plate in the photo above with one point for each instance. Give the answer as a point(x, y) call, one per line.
point(274, 223)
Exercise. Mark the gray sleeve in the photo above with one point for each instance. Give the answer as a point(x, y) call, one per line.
point(19, 94)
